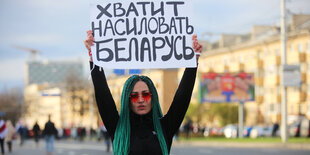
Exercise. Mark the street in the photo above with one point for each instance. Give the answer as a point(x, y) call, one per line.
point(234, 151)
point(63, 147)
point(98, 148)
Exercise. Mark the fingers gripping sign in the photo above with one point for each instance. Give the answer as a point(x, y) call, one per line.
point(88, 42)
point(196, 46)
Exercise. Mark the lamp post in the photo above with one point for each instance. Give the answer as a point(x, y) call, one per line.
point(284, 134)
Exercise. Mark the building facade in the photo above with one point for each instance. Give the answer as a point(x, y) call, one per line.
point(259, 52)
point(59, 89)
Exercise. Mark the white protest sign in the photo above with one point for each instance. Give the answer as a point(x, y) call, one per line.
point(142, 34)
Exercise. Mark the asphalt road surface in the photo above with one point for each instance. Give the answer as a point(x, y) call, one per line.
point(98, 148)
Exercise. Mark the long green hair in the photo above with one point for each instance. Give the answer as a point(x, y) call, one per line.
point(121, 142)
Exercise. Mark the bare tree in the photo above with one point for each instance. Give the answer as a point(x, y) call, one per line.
point(79, 93)
point(11, 102)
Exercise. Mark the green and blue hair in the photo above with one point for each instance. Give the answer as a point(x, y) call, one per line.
point(121, 142)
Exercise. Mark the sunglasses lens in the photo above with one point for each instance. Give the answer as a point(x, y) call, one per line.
point(146, 95)
point(134, 97)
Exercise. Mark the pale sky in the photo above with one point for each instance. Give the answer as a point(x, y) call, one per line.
point(57, 28)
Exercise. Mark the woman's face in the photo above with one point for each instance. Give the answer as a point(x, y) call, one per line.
point(141, 98)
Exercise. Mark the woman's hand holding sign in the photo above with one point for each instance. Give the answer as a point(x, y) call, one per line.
point(196, 46)
point(89, 41)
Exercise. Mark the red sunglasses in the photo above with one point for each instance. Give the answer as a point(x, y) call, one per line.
point(134, 97)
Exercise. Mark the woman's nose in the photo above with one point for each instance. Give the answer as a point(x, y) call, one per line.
point(140, 98)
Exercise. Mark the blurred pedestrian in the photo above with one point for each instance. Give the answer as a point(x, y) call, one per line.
point(188, 128)
point(60, 133)
point(3, 131)
point(83, 133)
point(176, 135)
point(67, 132)
point(106, 137)
point(275, 128)
point(22, 131)
point(74, 133)
point(297, 134)
point(10, 135)
point(309, 128)
point(49, 133)
point(36, 133)
point(99, 133)
point(92, 133)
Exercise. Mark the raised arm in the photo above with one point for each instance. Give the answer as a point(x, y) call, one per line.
point(104, 99)
point(175, 115)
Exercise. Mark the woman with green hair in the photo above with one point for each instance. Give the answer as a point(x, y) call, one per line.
point(140, 127)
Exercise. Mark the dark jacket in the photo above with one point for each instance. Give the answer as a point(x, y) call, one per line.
point(143, 137)
point(49, 129)
point(36, 129)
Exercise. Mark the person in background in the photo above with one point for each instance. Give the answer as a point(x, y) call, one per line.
point(308, 128)
point(22, 131)
point(92, 133)
point(106, 137)
point(275, 128)
point(74, 133)
point(49, 133)
point(10, 135)
point(297, 133)
point(188, 128)
point(140, 127)
point(60, 133)
point(176, 135)
point(36, 133)
point(3, 132)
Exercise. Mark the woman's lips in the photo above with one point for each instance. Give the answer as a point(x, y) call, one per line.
point(141, 107)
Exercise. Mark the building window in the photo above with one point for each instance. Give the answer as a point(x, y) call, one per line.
point(278, 108)
point(308, 47)
point(278, 89)
point(277, 52)
point(271, 70)
point(308, 107)
point(266, 109)
point(261, 91)
point(300, 48)
point(272, 108)
point(303, 67)
point(295, 89)
point(291, 48)
point(241, 59)
point(271, 90)
point(300, 108)
point(259, 56)
point(266, 53)
point(226, 61)
point(291, 110)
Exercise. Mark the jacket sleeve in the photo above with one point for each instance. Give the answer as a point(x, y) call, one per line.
point(104, 99)
point(175, 115)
